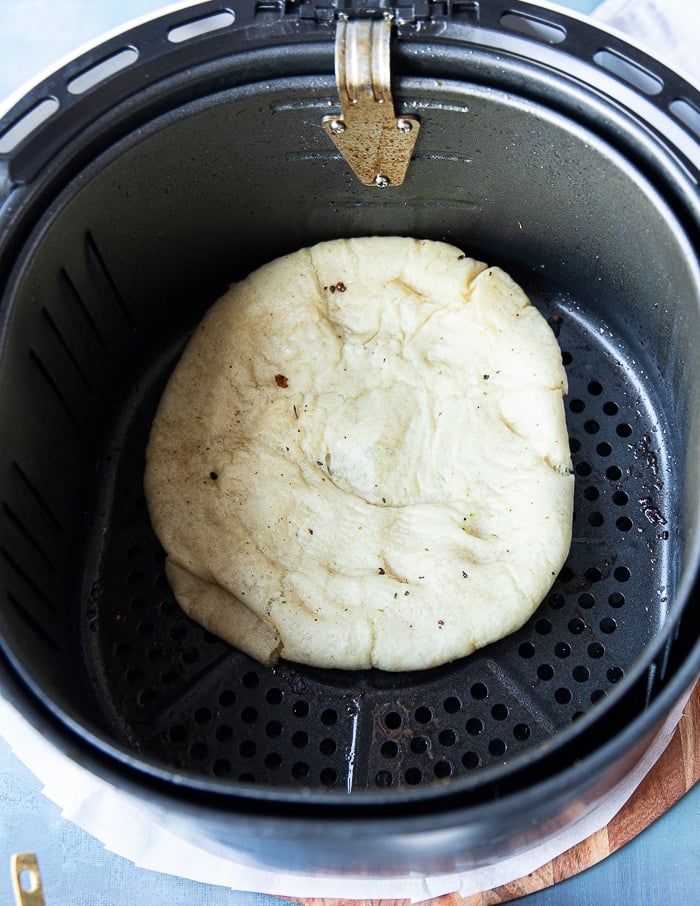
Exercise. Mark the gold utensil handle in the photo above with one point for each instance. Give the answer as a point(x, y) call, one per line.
point(26, 880)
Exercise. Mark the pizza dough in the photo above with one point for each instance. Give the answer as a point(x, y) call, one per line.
point(361, 459)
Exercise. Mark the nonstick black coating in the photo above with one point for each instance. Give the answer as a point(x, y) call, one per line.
point(179, 695)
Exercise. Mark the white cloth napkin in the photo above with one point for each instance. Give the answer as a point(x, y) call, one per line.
point(668, 30)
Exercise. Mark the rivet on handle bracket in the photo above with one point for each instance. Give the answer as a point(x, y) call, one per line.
point(376, 144)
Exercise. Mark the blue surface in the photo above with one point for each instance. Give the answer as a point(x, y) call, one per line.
point(659, 868)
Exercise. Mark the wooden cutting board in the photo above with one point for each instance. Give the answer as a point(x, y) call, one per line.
point(672, 776)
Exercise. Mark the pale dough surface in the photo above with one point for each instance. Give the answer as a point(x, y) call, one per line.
point(361, 458)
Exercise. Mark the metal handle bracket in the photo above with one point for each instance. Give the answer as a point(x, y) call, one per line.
point(377, 145)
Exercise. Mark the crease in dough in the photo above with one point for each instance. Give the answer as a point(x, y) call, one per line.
point(224, 615)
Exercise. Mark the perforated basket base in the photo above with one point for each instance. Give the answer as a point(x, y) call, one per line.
point(180, 696)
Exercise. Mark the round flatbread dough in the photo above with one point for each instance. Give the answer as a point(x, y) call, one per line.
point(361, 459)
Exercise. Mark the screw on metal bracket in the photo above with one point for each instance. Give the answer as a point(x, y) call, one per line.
point(376, 144)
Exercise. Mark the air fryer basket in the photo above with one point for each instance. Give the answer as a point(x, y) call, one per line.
point(132, 206)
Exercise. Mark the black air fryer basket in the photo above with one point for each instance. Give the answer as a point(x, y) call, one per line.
point(141, 179)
